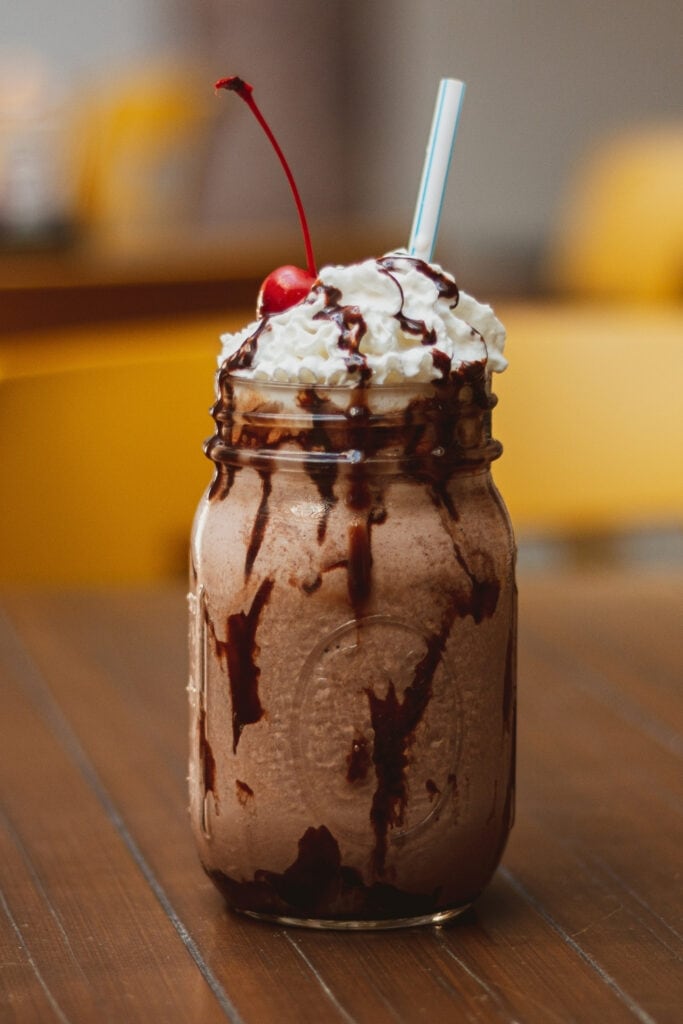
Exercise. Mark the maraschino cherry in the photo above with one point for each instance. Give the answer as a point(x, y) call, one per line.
point(287, 285)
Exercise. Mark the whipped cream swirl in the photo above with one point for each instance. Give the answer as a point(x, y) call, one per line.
point(395, 320)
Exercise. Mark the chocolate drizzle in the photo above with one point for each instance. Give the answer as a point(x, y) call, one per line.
point(240, 651)
point(432, 789)
point(323, 474)
point(222, 482)
point(352, 330)
point(317, 885)
point(260, 523)
point(442, 362)
point(244, 792)
point(358, 760)
point(207, 761)
point(364, 500)
point(394, 723)
point(446, 287)
point(359, 567)
point(410, 325)
point(243, 357)
point(482, 599)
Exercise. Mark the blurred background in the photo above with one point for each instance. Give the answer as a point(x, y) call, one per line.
point(139, 212)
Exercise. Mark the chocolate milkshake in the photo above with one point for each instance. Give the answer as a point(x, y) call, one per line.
point(353, 606)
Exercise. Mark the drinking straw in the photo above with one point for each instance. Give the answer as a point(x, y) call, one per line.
point(436, 166)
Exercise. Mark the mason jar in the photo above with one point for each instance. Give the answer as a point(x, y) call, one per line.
point(353, 648)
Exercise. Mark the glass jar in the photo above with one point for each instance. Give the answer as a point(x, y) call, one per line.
point(353, 628)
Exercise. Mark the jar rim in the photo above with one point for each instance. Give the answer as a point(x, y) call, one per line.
point(402, 387)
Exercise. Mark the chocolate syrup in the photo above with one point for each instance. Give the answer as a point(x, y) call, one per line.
point(352, 330)
point(359, 567)
point(442, 362)
point(408, 324)
point(310, 586)
point(223, 479)
point(244, 792)
point(358, 760)
point(432, 789)
point(394, 723)
point(446, 287)
point(481, 600)
point(318, 885)
point(240, 651)
point(243, 358)
point(260, 523)
point(324, 473)
point(206, 759)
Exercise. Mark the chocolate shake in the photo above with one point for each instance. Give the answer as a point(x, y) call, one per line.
point(353, 608)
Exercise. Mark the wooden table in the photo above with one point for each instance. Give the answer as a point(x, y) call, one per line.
point(106, 916)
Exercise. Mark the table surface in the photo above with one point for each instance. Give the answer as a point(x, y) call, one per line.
point(106, 915)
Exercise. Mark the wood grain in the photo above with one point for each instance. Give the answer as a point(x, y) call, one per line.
point(108, 916)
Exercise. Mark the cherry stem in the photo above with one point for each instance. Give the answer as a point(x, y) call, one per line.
point(244, 91)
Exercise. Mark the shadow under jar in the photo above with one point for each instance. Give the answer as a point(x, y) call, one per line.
point(353, 650)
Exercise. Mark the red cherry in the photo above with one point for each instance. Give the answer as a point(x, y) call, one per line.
point(282, 289)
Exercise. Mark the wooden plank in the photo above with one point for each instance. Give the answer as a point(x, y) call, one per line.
point(85, 939)
point(502, 962)
point(516, 958)
point(602, 830)
point(628, 630)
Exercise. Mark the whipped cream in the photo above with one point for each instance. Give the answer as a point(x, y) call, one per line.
point(392, 321)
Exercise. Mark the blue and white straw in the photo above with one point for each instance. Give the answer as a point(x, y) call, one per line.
point(436, 166)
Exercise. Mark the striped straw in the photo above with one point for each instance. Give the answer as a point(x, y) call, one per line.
point(436, 166)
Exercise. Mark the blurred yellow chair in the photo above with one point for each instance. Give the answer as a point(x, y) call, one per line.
point(591, 419)
point(620, 232)
point(139, 152)
point(100, 450)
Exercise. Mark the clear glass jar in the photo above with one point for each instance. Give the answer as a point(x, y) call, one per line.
point(353, 637)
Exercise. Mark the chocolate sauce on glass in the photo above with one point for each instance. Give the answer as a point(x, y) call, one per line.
point(260, 523)
point(394, 722)
point(410, 325)
point(243, 358)
point(352, 330)
point(432, 789)
point(206, 758)
point(317, 884)
point(445, 285)
point(239, 651)
point(244, 792)
point(358, 760)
